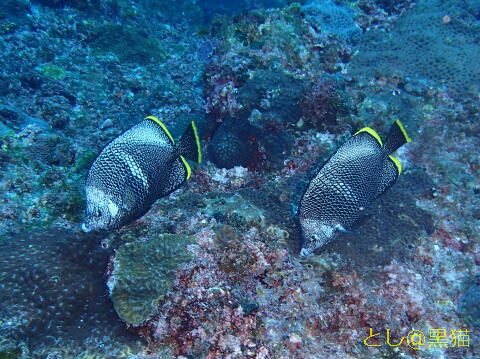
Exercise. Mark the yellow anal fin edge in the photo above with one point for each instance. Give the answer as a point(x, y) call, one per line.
point(164, 128)
point(397, 163)
point(402, 128)
point(372, 132)
point(187, 167)
point(197, 139)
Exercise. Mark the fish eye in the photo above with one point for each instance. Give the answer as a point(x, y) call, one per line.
point(98, 213)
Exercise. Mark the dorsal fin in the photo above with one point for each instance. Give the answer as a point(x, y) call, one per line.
point(371, 132)
point(164, 128)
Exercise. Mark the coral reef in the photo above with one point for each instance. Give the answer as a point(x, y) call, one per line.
point(324, 104)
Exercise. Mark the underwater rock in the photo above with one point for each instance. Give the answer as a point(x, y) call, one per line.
point(233, 210)
point(334, 20)
point(324, 103)
point(78, 4)
point(17, 119)
point(143, 273)
point(423, 46)
point(190, 210)
point(238, 143)
point(51, 149)
point(212, 7)
point(469, 304)
point(386, 106)
point(14, 7)
point(473, 6)
point(53, 287)
point(275, 92)
point(128, 43)
point(12, 14)
point(276, 212)
point(233, 144)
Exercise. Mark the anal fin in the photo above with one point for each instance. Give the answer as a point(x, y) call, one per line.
point(175, 178)
point(390, 173)
point(187, 167)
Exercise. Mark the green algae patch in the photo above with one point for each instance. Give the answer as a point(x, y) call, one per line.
point(128, 44)
point(143, 274)
point(7, 354)
point(84, 160)
point(54, 72)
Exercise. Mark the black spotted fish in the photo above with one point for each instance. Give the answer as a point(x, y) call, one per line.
point(360, 171)
point(134, 170)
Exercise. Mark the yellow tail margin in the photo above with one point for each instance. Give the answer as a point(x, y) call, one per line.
point(164, 128)
point(197, 139)
point(402, 128)
point(372, 132)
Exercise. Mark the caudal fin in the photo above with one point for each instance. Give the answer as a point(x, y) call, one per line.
point(189, 144)
point(397, 137)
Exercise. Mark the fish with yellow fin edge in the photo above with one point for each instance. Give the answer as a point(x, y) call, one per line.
point(360, 171)
point(134, 170)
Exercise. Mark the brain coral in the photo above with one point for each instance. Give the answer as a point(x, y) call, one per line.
point(426, 45)
point(143, 273)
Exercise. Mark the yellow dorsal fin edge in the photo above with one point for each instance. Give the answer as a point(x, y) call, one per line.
point(197, 139)
point(372, 132)
point(187, 167)
point(405, 134)
point(164, 128)
point(397, 163)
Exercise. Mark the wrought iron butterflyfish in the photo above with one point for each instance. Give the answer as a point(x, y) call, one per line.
point(360, 171)
point(134, 170)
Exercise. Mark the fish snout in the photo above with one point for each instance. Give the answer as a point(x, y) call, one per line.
point(85, 228)
point(305, 252)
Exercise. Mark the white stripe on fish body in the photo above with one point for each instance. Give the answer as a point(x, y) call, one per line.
point(135, 169)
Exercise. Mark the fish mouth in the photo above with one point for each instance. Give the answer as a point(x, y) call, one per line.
point(85, 228)
point(305, 252)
